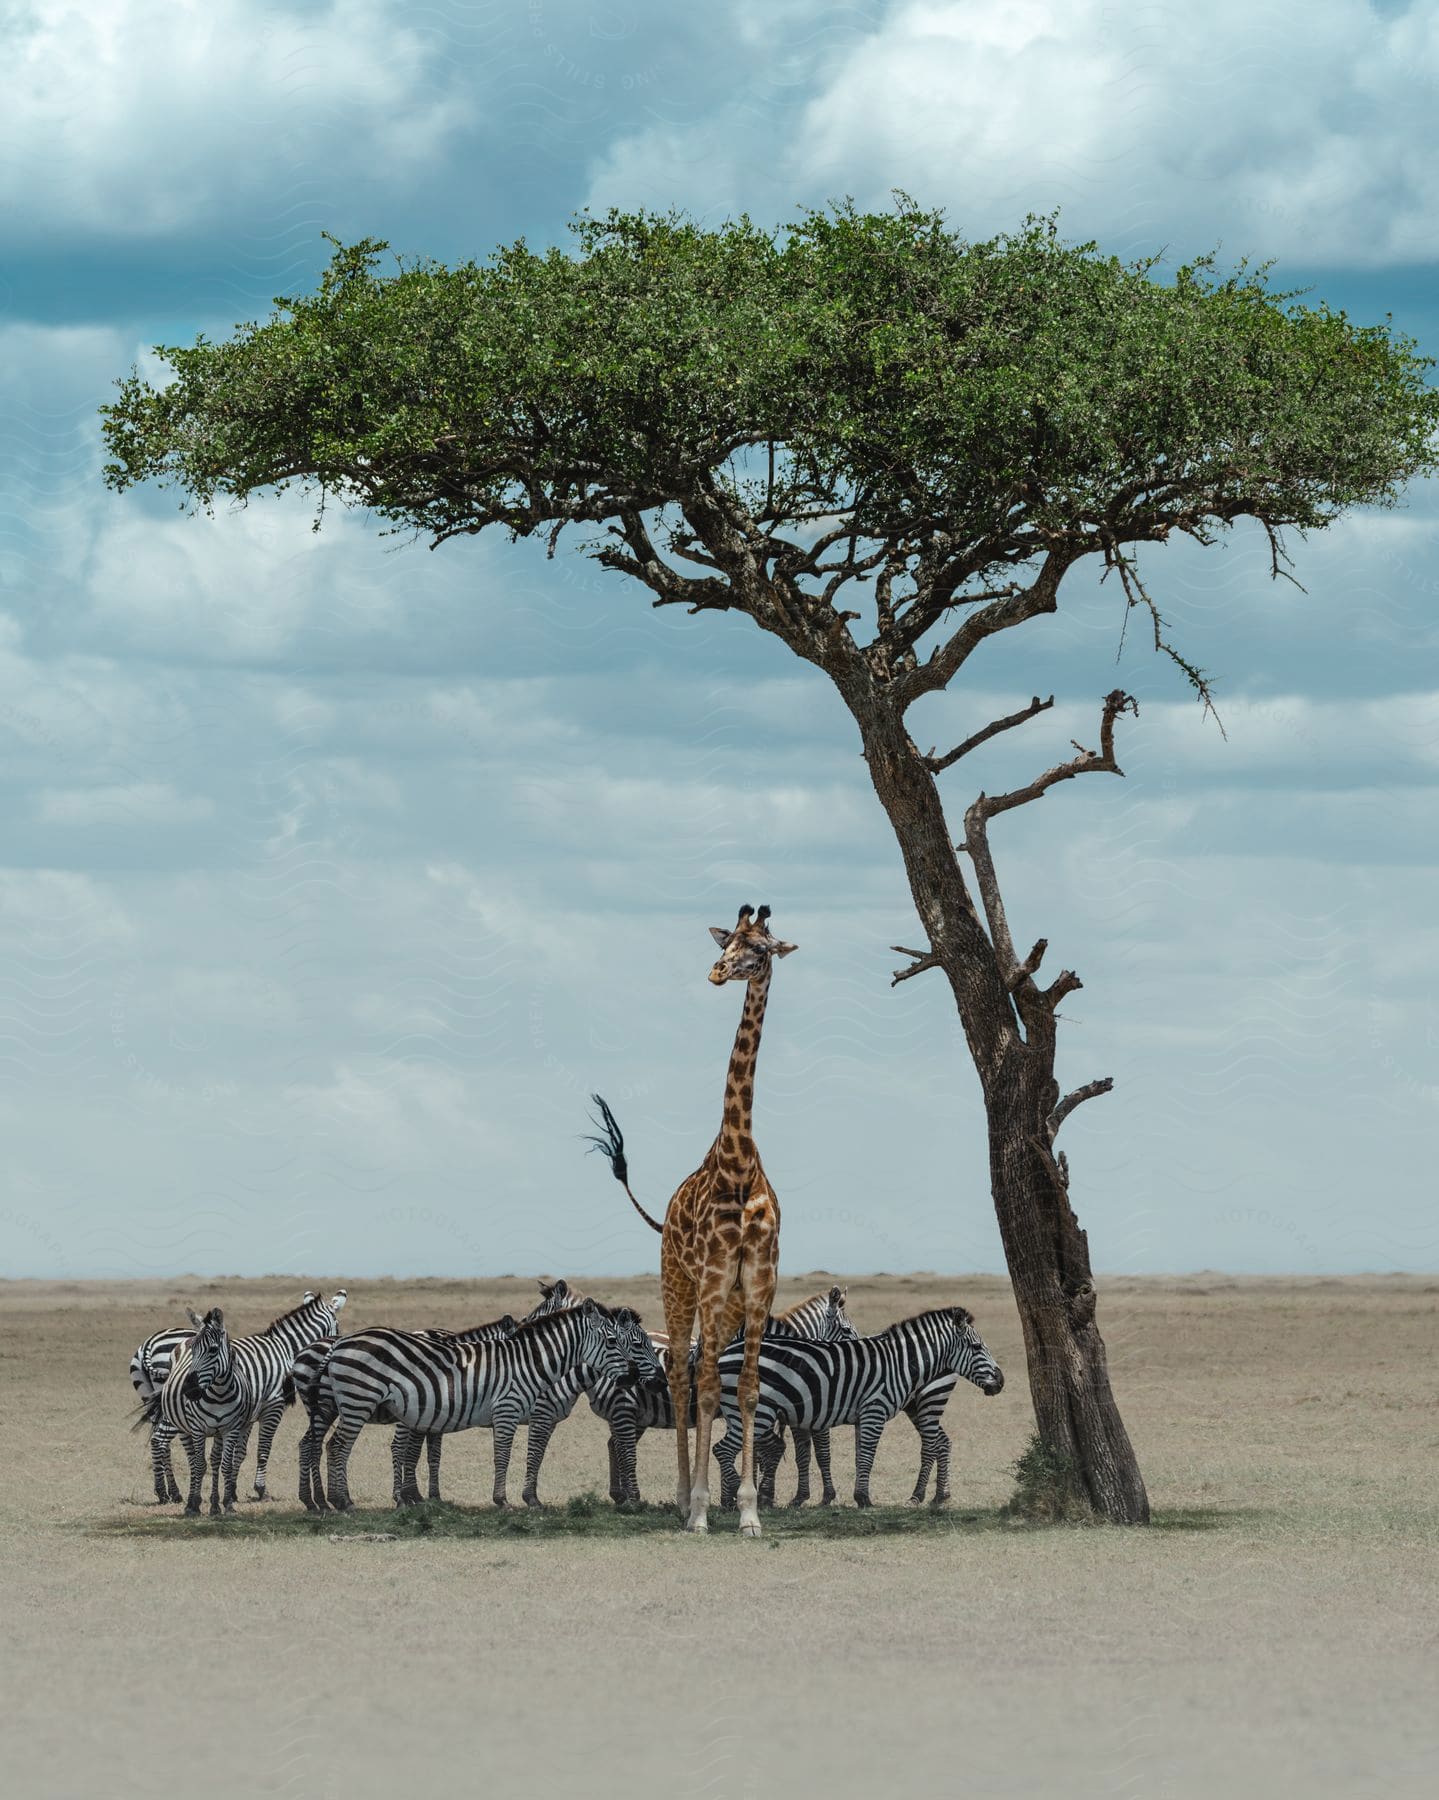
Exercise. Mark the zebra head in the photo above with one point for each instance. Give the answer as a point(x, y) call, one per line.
point(312, 1319)
point(836, 1324)
point(638, 1347)
point(970, 1357)
point(599, 1342)
point(208, 1351)
point(555, 1296)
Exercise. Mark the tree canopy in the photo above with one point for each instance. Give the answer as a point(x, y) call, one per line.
point(864, 403)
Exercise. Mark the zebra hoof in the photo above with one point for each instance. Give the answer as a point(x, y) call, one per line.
point(941, 1499)
point(915, 1500)
point(192, 1512)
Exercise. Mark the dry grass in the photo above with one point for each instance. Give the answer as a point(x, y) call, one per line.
point(1275, 1632)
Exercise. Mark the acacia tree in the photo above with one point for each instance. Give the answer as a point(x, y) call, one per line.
point(885, 445)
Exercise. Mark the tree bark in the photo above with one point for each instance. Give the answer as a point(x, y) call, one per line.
point(1047, 1253)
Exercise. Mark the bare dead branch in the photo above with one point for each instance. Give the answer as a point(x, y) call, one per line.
point(938, 764)
point(1076, 1098)
point(1031, 962)
point(1066, 982)
point(923, 959)
point(1014, 606)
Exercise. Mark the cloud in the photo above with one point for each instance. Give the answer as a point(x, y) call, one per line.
point(1304, 138)
point(127, 120)
point(139, 803)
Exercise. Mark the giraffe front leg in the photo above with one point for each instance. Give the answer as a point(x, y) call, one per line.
point(748, 1399)
point(679, 1317)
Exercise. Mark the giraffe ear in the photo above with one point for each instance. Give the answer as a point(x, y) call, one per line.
point(721, 936)
point(784, 949)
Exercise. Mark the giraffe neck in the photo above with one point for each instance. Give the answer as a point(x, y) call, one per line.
point(735, 1147)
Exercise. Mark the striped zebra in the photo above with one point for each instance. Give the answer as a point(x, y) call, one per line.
point(310, 1364)
point(148, 1368)
point(315, 1396)
point(257, 1386)
point(631, 1409)
point(862, 1382)
point(435, 1385)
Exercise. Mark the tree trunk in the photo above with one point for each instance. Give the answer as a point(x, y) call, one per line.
point(1047, 1253)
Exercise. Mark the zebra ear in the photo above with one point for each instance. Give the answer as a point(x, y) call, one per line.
point(338, 1299)
point(215, 1316)
point(194, 1318)
point(590, 1306)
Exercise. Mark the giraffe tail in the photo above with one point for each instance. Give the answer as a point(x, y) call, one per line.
point(609, 1140)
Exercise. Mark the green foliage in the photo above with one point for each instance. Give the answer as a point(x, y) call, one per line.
point(967, 406)
point(1047, 1488)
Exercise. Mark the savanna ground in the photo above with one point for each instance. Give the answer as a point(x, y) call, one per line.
point(1273, 1634)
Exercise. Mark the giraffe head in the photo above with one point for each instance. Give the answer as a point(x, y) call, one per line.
point(747, 950)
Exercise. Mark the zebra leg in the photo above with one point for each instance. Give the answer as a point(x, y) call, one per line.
point(802, 1442)
point(866, 1442)
point(216, 1458)
point(433, 1441)
point(941, 1479)
point(404, 1461)
point(505, 1426)
point(342, 1442)
point(634, 1494)
point(770, 1451)
point(269, 1425)
point(727, 1456)
point(821, 1456)
point(623, 1479)
point(161, 1467)
point(926, 1460)
point(312, 1488)
point(236, 1444)
point(195, 1451)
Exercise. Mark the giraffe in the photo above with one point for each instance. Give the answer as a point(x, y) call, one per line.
point(719, 1245)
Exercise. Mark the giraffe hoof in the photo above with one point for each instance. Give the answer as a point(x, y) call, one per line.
point(750, 1529)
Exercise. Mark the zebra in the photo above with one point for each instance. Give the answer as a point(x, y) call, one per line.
point(863, 1382)
point(432, 1384)
point(632, 1409)
point(258, 1385)
point(148, 1368)
point(310, 1365)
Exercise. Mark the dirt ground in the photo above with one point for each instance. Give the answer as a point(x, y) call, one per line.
point(1273, 1634)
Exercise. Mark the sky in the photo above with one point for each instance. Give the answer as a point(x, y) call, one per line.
point(337, 873)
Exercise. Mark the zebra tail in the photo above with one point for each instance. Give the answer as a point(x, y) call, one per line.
point(147, 1413)
point(609, 1141)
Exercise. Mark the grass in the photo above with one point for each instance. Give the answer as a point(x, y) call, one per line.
point(589, 1516)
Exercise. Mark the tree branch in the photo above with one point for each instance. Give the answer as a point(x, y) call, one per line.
point(938, 764)
point(1018, 976)
point(1013, 606)
point(1077, 1098)
point(924, 959)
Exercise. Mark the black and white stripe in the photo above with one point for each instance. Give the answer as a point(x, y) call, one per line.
point(432, 1384)
point(910, 1367)
point(256, 1387)
point(630, 1409)
point(148, 1368)
point(310, 1365)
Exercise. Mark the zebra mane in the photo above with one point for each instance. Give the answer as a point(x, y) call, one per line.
point(294, 1313)
point(605, 1312)
point(960, 1314)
